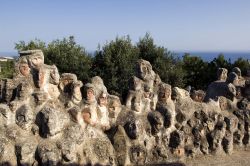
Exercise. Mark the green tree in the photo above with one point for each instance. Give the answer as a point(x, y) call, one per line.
point(69, 57)
point(31, 45)
point(243, 64)
point(196, 71)
point(216, 63)
point(7, 69)
point(115, 63)
point(220, 61)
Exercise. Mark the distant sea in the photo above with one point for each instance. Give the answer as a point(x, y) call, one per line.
point(209, 56)
point(206, 56)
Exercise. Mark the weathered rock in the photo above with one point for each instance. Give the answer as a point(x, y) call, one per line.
point(48, 153)
point(25, 117)
point(6, 116)
point(7, 152)
point(48, 121)
point(51, 121)
point(25, 151)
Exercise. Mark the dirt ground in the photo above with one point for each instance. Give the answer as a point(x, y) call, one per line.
point(238, 158)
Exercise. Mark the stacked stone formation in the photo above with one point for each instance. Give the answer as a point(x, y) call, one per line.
point(46, 120)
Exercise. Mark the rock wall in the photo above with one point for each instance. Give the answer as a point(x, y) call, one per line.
point(44, 119)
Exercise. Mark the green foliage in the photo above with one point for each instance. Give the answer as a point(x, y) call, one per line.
point(33, 44)
point(115, 63)
point(218, 62)
point(69, 57)
point(196, 71)
point(7, 69)
point(243, 64)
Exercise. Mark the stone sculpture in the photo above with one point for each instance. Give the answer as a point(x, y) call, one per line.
point(52, 119)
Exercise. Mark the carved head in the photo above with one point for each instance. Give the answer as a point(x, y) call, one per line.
point(86, 115)
point(133, 128)
point(135, 83)
point(90, 92)
point(97, 80)
point(99, 86)
point(138, 155)
point(24, 69)
point(76, 91)
point(24, 117)
point(156, 121)
point(103, 99)
point(157, 80)
point(114, 106)
point(23, 66)
point(143, 69)
point(66, 81)
point(176, 139)
point(198, 95)
point(233, 78)
point(40, 77)
point(237, 71)
point(222, 74)
point(223, 103)
point(36, 59)
point(54, 75)
point(164, 92)
point(231, 123)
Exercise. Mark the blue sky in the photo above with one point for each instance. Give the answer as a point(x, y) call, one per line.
point(179, 25)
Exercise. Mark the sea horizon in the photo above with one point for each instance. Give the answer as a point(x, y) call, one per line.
point(210, 55)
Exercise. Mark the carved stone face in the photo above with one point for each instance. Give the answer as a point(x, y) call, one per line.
point(231, 123)
point(138, 155)
point(24, 117)
point(36, 60)
point(65, 85)
point(233, 78)
point(103, 100)
point(165, 93)
point(135, 83)
point(144, 69)
point(41, 78)
point(156, 121)
point(86, 116)
point(223, 103)
point(77, 91)
point(222, 74)
point(24, 69)
point(237, 71)
point(133, 129)
point(90, 95)
point(157, 80)
point(54, 75)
